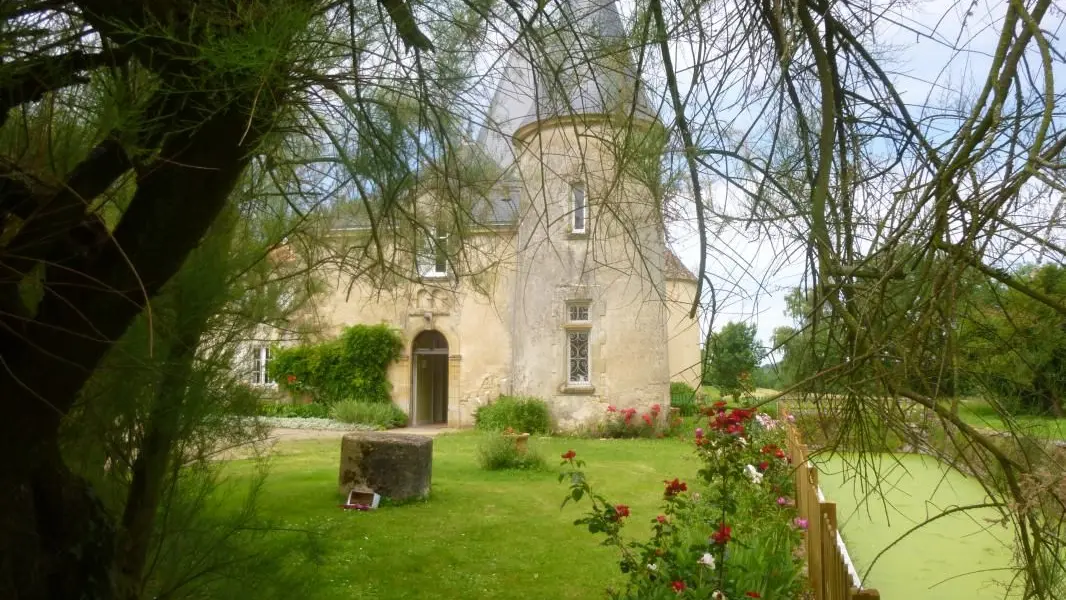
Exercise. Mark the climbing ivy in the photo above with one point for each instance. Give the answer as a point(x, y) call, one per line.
point(352, 367)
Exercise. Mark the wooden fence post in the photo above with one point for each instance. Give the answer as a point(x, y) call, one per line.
point(815, 533)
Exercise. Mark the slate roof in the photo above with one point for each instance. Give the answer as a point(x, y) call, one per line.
point(673, 268)
point(585, 67)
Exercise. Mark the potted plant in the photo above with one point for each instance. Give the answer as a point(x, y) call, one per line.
point(521, 440)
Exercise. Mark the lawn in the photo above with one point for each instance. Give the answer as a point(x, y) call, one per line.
point(481, 534)
point(978, 413)
point(959, 557)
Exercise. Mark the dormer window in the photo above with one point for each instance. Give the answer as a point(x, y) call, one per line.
point(578, 209)
point(433, 256)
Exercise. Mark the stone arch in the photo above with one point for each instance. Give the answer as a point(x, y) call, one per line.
point(431, 378)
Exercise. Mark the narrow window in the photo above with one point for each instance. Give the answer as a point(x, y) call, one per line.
point(578, 356)
point(578, 331)
point(260, 358)
point(579, 209)
point(433, 256)
point(579, 313)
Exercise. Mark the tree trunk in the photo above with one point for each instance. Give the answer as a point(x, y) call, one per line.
point(150, 469)
point(89, 305)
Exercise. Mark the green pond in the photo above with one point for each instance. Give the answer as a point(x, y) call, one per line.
point(962, 556)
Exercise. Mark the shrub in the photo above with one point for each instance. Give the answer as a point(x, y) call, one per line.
point(498, 452)
point(684, 398)
point(734, 537)
point(625, 423)
point(302, 411)
point(526, 415)
point(355, 365)
point(384, 416)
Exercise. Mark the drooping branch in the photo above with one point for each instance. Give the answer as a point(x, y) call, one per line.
point(29, 81)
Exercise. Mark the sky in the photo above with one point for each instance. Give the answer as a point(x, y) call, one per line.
point(752, 274)
point(937, 53)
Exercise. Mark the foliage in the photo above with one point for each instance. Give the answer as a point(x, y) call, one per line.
point(522, 414)
point(1013, 348)
point(159, 409)
point(734, 353)
point(736, 537)
point(383, 415)
point(768, 377)
point(623, 423)
point(244, 548)
point(352, 367)
point(684, 398)
point(292, 410)
point(499, 452)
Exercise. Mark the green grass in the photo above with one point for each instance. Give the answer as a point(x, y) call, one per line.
point(978, 413)
point(959, 557)
point(482, 534)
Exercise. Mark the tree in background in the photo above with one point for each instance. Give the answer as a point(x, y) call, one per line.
point(1013, 347)
point(733, 355)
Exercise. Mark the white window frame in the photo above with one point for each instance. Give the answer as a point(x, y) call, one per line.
point(433, 258)
point(259, 358)
point(579, 207)
point(578, 323)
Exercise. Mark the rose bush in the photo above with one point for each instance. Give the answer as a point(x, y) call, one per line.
point(625, 423)
point(733, 535)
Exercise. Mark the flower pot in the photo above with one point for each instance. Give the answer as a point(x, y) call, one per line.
point(521, 441)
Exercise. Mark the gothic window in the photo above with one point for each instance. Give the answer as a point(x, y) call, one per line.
point(578, 209)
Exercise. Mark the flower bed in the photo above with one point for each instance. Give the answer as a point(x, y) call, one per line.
point(735, 536)
point(631, 423)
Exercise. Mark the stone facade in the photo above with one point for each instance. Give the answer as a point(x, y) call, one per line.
point(572, 264)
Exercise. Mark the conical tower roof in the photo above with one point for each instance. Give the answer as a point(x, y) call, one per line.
point(578, 61)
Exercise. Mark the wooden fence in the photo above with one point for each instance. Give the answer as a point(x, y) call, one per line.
point(829, 568)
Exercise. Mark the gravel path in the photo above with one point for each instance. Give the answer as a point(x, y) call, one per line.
point(295, 429)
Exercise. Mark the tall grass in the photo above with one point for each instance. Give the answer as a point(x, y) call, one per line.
point(377, 414)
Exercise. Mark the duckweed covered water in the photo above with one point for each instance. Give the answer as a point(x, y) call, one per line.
point(963, 556)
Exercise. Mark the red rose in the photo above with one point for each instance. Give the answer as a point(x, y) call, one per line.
point(647, 419)
point(753, 594)
point(679, 586)
point(723, 534)
point(763, 466)
point(291, 379)
point(675, 487)
point(720, 404)
point(621, 511)
point(661, 519)
point(611, 408)
point(570, 454)
point(780, 453)
point(655, 408)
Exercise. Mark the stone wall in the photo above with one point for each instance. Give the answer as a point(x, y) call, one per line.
point(683, 333)
point(617, 267)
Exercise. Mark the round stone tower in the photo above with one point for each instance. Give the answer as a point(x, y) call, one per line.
point(590, 322)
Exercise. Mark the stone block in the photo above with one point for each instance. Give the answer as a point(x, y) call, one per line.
point(397, 466)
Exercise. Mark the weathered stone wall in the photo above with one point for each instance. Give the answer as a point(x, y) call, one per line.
point(683, 333)
point(617, 267)
point(472, 312)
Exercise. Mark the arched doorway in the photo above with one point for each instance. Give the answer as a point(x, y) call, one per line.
point(429, 378)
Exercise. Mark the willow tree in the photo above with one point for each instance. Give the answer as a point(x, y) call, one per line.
point(151, 112)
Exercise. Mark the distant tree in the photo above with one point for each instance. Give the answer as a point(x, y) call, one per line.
point(733, 355)
point(1013, 347)
point(768, 377)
